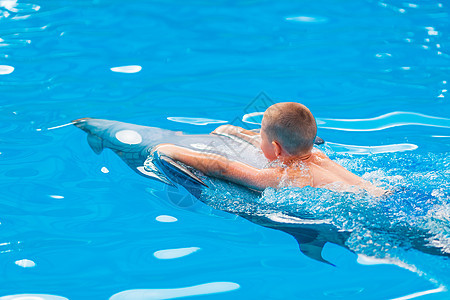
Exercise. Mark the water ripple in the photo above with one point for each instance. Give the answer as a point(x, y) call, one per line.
point(389, 120)
point(196, 290)
point(307, 19)
point(32, 297)
point(195, 121)
point(365, 150)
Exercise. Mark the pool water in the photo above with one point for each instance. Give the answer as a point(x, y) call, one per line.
point(75, 225)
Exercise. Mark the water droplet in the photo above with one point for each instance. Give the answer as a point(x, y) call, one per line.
point(166, 219)
point(175, 253)
point(127, 69)
point(5, 70)
point(25, 263)
point(307, 19)
point(383, 55)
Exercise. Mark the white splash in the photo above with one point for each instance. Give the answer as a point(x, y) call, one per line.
point(56, 196)
point(104, 170)
point(127, 69)
point(366, 260)
point(5, 70)
point(166, 219)
point(196, 290)
point(195, 121)
point(130, 137)
point(369, 261)
point(282, 218)
point(25, 263)
point(145, 172)
point(419, 294)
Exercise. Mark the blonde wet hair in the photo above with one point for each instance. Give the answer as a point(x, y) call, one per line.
point(291, 124)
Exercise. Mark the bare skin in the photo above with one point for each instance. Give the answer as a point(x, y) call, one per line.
point(312, 168)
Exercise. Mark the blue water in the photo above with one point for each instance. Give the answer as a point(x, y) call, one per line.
point(81, 226)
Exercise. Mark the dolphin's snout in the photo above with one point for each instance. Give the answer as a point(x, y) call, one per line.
point(79, 122)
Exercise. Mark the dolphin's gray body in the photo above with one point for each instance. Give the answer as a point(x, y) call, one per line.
point(133, 143)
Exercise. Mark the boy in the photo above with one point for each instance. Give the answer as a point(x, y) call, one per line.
point(286, 138)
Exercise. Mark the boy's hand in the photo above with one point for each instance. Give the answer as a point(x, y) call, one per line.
point(230, 129)
point(163, 149)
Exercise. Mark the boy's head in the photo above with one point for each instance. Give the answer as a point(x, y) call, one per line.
point(287, 129)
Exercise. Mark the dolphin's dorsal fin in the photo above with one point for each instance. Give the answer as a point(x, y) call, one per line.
point(314, 251)
point(96, 143)
point(181, 169)
point(319, 141)
point(309, 241)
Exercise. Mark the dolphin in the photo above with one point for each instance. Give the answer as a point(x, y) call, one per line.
point(134, 143)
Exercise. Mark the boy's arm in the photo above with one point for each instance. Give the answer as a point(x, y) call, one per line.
point(252, 137)
point(220, 167)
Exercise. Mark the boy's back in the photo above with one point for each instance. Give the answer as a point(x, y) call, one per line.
point(288, 131)
point(319, 171)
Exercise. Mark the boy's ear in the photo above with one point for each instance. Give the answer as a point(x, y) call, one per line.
point(277, 148)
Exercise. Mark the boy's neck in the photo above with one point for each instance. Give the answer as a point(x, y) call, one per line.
point(288, 160)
